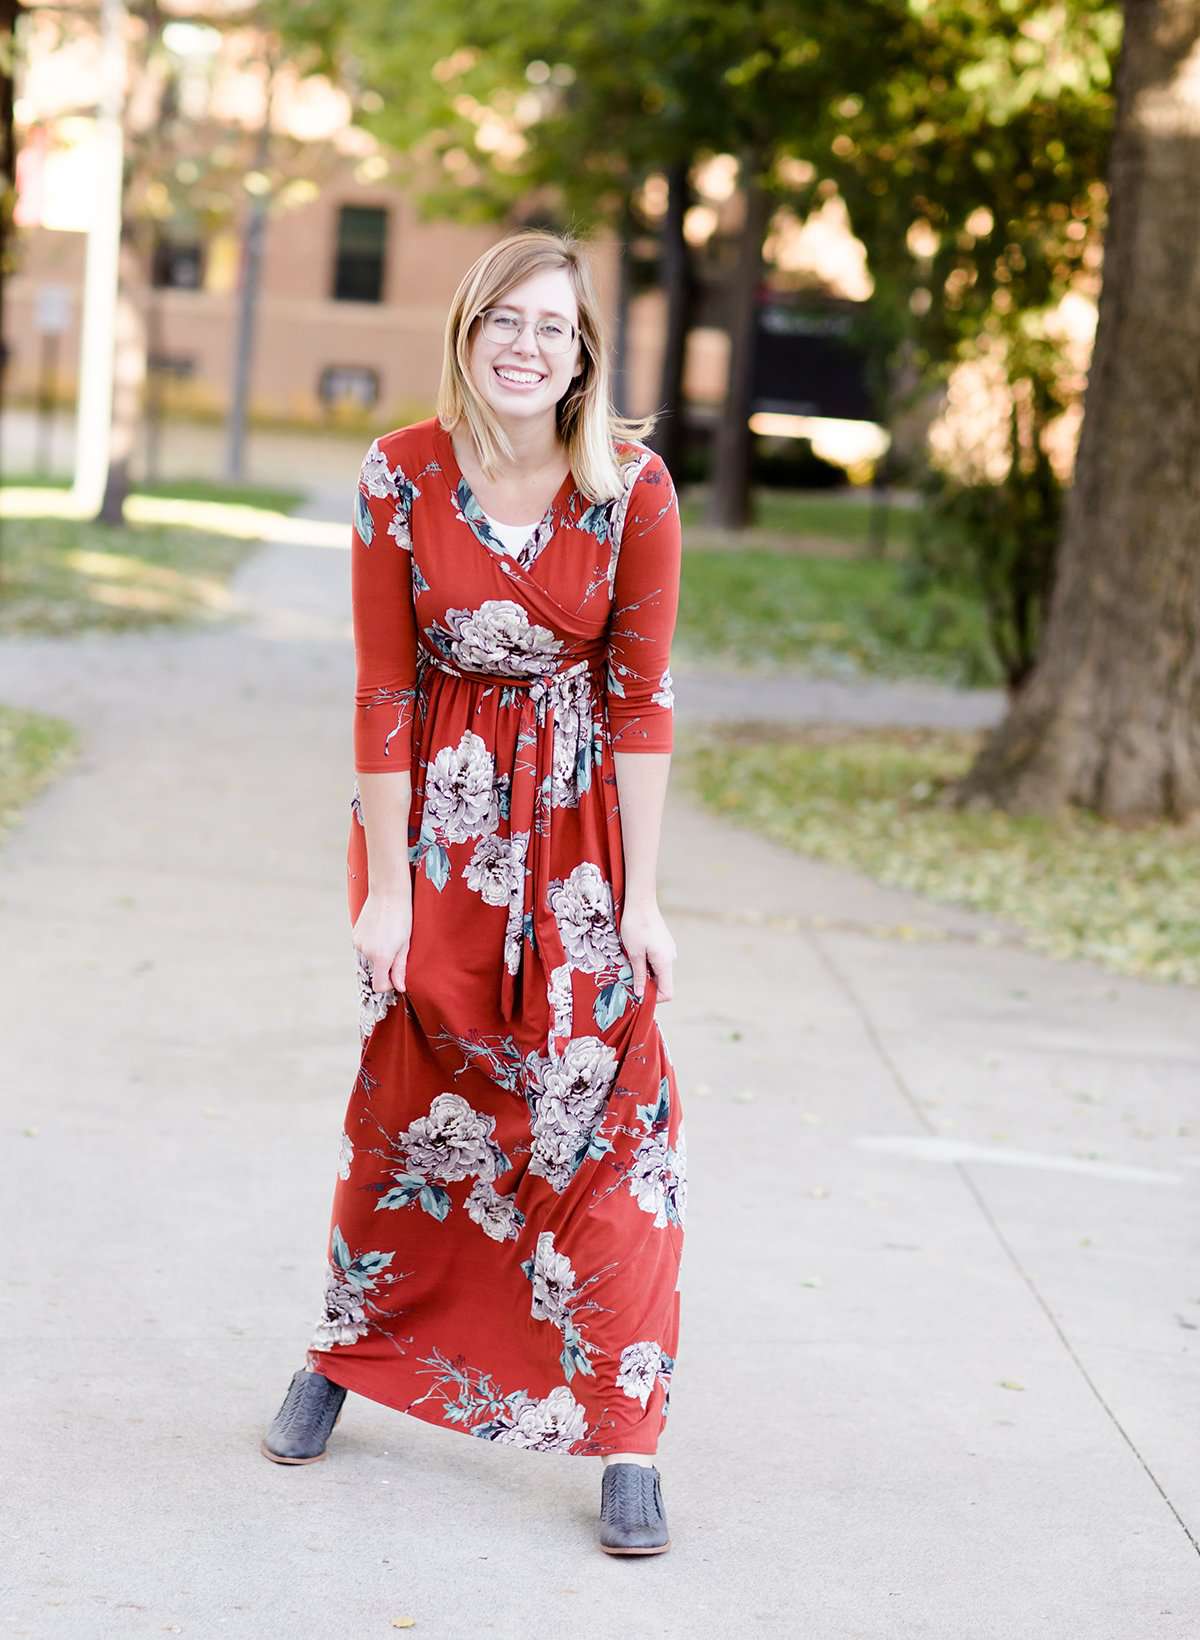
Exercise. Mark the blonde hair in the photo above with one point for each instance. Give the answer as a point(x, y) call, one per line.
point(587, 423)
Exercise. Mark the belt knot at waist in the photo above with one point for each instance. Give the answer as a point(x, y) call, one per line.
point(535, 686)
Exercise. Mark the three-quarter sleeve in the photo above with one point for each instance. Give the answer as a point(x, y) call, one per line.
point(645, 604)
point(385, 643)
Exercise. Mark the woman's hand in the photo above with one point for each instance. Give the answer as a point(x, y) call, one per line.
point(647, 939)
point(382, 934)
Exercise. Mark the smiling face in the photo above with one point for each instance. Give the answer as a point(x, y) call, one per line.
point(516, 378)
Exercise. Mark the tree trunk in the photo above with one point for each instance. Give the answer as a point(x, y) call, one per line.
point(129, 378)
point(626, 228)
point(1109, 719)
point(253, 239)
point(9, 11)
point(729, 497)
point(669, 435)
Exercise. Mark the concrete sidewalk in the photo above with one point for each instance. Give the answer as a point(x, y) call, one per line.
point(938, 1369)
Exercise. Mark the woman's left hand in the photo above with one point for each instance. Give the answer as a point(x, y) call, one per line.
point(647, 940)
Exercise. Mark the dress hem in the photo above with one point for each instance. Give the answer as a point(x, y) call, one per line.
point(347, 1377)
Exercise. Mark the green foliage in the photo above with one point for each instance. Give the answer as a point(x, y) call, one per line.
point(972, 166)
point(33, 747)
point(600, 98)
point(1074, 886)
point(988, 127)
point(996, 543)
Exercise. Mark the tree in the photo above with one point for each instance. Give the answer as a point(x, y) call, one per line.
point(970, 155)
point(183, 169)
point(568, 111)
point(9, 12)
point(677, 281)
point(1110, 717)
point(553, 116)
point(729, 500)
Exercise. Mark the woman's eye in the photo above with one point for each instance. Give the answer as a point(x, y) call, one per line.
point(552, 332)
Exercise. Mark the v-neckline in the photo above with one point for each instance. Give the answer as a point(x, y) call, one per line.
point(461, 489)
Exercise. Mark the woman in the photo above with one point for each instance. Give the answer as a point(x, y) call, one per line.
point(508, 1221)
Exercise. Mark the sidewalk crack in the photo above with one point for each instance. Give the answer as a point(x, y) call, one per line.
point(910, 1099)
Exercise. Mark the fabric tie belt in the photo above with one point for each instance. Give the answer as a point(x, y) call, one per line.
point(536, 686)
point(531, 920)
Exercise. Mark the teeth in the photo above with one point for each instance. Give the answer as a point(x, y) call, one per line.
point(514, 376)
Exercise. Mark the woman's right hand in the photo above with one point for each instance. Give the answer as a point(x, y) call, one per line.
point(382, 935)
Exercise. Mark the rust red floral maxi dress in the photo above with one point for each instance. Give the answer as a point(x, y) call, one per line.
point(507, 1223)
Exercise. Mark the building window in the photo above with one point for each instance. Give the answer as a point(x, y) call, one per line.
point(361, 240)
point(178, 264)
point(349, 386)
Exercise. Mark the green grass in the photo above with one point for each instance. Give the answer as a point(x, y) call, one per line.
point(33, 747)
point(832, 615)
point(189, 489)
point(1075, 886)
point(803, 518)
point(60, 574)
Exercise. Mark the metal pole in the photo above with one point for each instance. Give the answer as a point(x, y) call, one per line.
point(252, 247)
point(47, 378)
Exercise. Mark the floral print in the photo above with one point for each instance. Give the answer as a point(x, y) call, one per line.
point(350, 1309)
point(372, 1004)
point(567, 1094)
point(497, 637)
point(452, 1142)
point(497, 1216)
point(345, 1156)
point(657, 1180)
point(460, 791)
point(583, 908)
point(515, 1107)
point(551, 1423)
point(642, 1365)
point(556, 1298)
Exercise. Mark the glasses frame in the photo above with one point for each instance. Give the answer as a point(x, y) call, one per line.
point(552, 352)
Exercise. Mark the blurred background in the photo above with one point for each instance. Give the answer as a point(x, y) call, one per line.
point(855, 262)
point(915, 287)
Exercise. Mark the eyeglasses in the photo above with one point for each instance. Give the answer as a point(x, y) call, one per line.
point(503, 325)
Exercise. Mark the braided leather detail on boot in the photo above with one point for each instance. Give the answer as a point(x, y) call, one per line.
point(303, 1424)
point(632, 1518)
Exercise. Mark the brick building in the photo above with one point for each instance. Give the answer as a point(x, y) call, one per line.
point(354, 284)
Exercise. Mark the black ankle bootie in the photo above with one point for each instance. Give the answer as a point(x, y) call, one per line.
point(303, 1424)
point(632, 1518)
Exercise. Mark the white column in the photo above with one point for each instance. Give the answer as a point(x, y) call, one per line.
point(93, 416)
